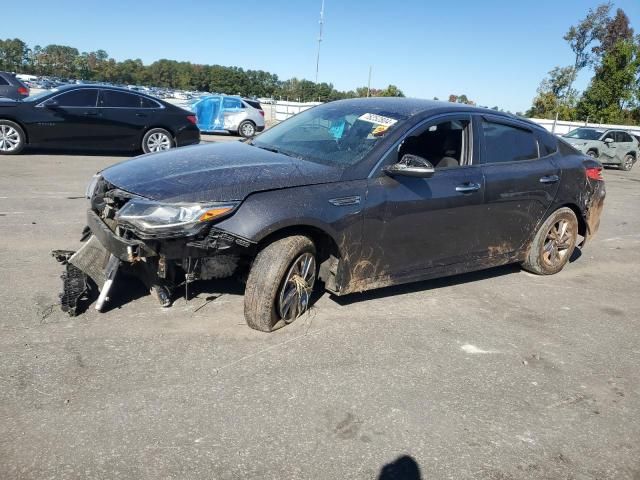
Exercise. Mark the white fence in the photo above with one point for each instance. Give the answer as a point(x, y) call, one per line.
point(561, 127)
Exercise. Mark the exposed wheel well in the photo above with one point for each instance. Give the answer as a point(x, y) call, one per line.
point(582, 224)
point(325, 244)
point(594, 149)
point(632, 153)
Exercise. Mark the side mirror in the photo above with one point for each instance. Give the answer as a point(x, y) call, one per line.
point(411, 166)
point(608, 140)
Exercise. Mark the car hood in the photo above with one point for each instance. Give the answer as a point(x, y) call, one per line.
point(214, 173)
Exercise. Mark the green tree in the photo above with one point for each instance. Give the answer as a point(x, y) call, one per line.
point(13, 54)
point(614, 86)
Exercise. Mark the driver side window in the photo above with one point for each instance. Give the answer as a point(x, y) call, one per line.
point(443, 144)
point(609, 135)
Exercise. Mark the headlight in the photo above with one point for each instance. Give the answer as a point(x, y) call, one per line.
point(91, 188)
point(161, 219)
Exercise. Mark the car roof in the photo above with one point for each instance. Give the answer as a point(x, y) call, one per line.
point(410, 107)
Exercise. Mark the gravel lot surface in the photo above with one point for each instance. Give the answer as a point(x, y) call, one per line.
point(492, 375)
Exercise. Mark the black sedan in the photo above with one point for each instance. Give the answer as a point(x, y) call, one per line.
point(359, 194)
point(94, 117)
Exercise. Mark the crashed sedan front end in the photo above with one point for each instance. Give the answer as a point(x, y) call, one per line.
point(165, 245)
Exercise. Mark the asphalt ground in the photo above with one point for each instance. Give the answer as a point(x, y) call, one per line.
point(493, 375)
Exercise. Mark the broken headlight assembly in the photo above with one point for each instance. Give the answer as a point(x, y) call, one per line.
point(155, 219)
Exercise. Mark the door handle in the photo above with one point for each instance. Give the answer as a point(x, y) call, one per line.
point(91, 113)
point(468, 187)
point(141, 114)
point(549, 179)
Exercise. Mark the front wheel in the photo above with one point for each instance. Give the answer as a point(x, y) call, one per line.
point(553, 244)
point(157, 140)
point(280, 283)
point(592, 154)
point(12, 138)
point(627, 163)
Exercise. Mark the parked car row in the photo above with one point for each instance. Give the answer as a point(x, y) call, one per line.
point(94, 117)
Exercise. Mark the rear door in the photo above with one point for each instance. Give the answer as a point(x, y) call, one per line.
point(126, 118)
point(520, 184)
point(233, 112)
point(609, 151)
point(625, 144)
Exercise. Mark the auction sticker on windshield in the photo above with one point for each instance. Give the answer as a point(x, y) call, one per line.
point(378, 119)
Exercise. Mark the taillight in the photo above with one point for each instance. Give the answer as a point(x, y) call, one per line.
point(192, 119)
point(594, 173)
point(261, 112)
point(23, 91)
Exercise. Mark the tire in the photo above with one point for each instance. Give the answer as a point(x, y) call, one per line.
point(157, 140)
point(592, 153)
point(275, 278)
point(547, 255)
point(627, 163)
point(247, 129)
point(12, 138)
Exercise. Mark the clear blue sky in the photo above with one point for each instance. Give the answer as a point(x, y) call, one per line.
point(494, 51)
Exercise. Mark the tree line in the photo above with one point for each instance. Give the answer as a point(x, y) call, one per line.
point(67, 62)
point(605, 44)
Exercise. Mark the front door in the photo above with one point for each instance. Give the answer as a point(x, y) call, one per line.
point(67, 120)
point(412, 224)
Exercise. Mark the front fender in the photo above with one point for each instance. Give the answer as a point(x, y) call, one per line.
point(265, 213)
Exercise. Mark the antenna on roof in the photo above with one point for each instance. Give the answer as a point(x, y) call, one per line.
point(319, 40)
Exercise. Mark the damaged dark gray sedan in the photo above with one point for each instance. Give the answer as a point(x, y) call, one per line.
point(356, 194)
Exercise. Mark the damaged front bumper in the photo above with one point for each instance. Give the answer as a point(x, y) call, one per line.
point(161, 264)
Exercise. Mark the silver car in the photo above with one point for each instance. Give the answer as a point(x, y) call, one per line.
point(610, 147)
point(226, 113)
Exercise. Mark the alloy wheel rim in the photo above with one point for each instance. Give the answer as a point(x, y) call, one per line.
point(558, 242)
point(296, 289)
point(158, 142)
point(247, 129)
point(628, 162)
point(9, 138)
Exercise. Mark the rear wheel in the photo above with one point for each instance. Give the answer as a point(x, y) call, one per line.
point(12, 138)
point(280, 283)
point(247, 129)
point(592, 153)
point(553, 244)
point(627, 163)
point(157, 140)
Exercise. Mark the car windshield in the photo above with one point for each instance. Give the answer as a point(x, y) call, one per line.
point(585, 134)
point(38, 96)
point(331, 134)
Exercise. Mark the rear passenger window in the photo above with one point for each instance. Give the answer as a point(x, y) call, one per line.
point(623, 137)
point(548, 144)
point(503, 143)
point(148, 103)
point(114, 99)
point(3, 81)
